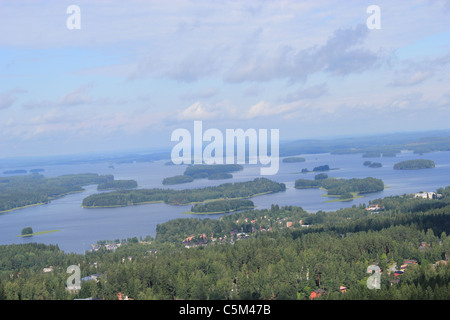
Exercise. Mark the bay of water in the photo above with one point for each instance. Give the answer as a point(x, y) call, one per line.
point(80, 227)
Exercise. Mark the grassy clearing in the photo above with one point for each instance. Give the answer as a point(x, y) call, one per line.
point(355, 196)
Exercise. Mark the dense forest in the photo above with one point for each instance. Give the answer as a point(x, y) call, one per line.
point(117, 184)
point(25, 190)
point(414, 164)
point(342, 186)
point(180, 197)
point(327, 253)
point(201, 171)
point(222, 206)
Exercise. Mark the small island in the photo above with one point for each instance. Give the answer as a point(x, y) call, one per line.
point(318, 169)
point(294, 159)
point(414, 164)
point(371, 164)
point(177, 179)
point(221, 206)
point(375, 165)
point(204, 171)
point(344, 189)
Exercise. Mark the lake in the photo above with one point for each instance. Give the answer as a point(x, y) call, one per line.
point(80, 227)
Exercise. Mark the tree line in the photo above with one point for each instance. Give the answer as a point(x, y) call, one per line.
point(180, 197)
point(222, 206)
point(117, 184)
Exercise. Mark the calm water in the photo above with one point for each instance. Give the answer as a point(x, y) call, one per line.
point(79, 227)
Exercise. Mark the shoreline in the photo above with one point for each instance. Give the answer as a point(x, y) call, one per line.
point(218, 212)
point(42, 203)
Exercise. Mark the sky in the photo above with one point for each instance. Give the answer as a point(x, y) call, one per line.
point(135, 71)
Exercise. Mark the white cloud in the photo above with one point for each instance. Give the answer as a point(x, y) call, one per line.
point(340, 55)
point(412, 79)
point(8, 98)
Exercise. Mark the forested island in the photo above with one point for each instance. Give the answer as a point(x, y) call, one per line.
point(318, 169)
point(204, 171)
point(117, 185)
point(414, 164)
point(177, 179)
point(294, 159)
point(222, 206)
point(201, 171)
point(345, 189)
point(182, 197)
point(26, 190)
point(256, 254)
point(371, 164)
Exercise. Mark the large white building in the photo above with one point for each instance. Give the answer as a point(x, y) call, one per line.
point(427, 195)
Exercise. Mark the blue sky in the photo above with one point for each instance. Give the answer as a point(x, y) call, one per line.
point(134, 73)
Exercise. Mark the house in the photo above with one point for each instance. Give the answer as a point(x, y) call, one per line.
point(233, 233)
point(129, 258)
point(423, 246)
point(317, 293)
point(288, 224)
point(342, 289)
point(398, 273)
point(242, 235)
point(120, 296)
point(188, 239)
point(49, 269)
point(94, 277)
